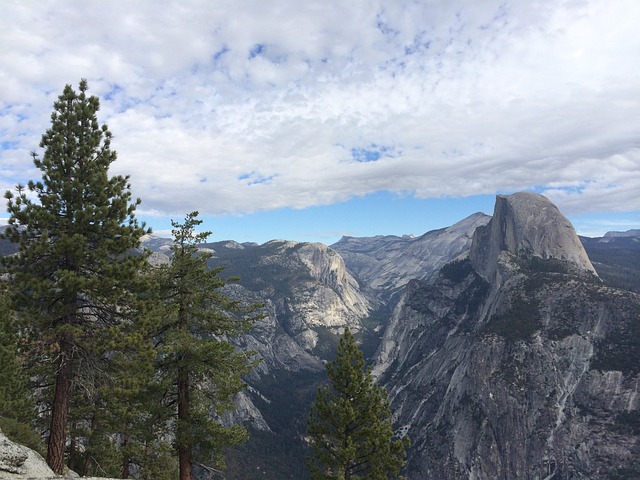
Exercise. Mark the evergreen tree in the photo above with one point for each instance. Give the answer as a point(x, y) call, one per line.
point(17, 408)
point(73, 274)
point(200, 369)
point(122, 429)
point(350, 423)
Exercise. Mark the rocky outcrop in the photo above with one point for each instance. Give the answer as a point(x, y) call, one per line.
point(12, 456)
point(524, 368)
point(306, 285)
point(18, 462)
point(327, 267)
point(527, 224)
point(308, 297)
point(331, 299)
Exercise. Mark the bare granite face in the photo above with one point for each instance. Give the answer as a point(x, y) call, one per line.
point(527, 224)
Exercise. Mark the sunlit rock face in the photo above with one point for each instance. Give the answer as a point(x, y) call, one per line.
point(308, 297)
point(527, 224)
point(311, 291)
point(517, 363)
point(332, 297)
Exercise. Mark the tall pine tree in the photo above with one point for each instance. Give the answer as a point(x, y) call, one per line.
point(200, 368)
point(350, 423)
point(73, 273)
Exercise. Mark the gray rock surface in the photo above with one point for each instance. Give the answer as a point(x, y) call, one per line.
point(307, 295)
point(387, 263)
point(18, 462)
point(534, 374)
point(527, 224)
point(12, 456)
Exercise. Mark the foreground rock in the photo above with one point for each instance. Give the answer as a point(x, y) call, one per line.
point(17, 461)
point(20, 462)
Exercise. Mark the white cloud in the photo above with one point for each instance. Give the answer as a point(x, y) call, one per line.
point(237, 106)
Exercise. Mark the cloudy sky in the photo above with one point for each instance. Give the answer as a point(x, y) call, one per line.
point(307, 120)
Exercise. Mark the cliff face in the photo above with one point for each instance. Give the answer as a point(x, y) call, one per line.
point(527, 224)
point(308, 287)
point(517, 363)
point(308, 298)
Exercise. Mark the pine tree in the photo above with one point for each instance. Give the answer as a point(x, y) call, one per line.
point(350, 423)
point(17, 408)
point(73, 274)
point(199, 367)
point(123, 428)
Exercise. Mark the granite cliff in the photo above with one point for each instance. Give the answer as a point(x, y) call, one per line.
point(517, 363)
point(527, 224)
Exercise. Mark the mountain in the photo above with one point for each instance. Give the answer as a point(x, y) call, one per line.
point(310, 292)
point(629, 233)
point(616, 258)
point(527, 225)
point(517, 362)
point(306, 286)
point(308, 298)
point(386, 264)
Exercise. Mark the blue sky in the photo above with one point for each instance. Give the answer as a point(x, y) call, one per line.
point(309, 120)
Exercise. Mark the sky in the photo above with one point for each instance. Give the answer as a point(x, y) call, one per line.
point(309, 120)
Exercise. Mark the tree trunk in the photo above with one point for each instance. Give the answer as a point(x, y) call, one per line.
point(60, 407)
point(72, 450)
point(126, 461)
point(184, 448)
point(184, 456)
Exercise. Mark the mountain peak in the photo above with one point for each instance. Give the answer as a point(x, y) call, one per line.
point(629, 233)
point(527, 224)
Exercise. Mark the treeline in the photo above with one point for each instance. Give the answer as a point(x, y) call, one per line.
point(125, 367)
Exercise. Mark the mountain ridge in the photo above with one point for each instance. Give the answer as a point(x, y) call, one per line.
point(387, 263)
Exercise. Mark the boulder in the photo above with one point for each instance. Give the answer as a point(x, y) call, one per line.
point(18, 461)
